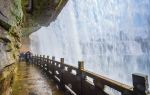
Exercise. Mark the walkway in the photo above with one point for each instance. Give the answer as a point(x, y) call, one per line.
point(29, 80)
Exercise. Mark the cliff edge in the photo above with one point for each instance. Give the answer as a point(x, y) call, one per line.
point(18, 19)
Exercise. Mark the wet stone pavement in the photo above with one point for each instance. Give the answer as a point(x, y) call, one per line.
point(29, 80)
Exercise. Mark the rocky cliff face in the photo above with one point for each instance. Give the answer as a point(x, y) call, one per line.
point(18, 19)
point(10, 17)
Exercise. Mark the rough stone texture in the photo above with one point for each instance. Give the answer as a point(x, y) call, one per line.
point(11, 11)
point(18, 19)
point(9, 45)
point(41, 14)
point(6, 79)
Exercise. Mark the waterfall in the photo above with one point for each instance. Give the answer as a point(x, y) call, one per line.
point(111, 36)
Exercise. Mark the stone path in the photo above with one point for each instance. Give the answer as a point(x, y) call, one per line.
point(29, 80)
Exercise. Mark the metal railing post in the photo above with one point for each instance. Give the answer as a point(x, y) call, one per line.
point(53, 64)
point(82, 77)
point(37, 59)
point(47, 63)
point(43, 62)
point(62, 71)
point(140, 84)
point(40, 60)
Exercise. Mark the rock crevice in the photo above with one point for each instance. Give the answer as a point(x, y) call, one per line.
point(18, 19)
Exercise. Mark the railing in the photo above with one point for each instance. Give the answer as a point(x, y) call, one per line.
point(76, 80)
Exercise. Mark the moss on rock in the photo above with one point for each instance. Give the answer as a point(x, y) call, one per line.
point(16, 22)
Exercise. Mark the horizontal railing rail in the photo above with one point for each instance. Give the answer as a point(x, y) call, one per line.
point(79, 81)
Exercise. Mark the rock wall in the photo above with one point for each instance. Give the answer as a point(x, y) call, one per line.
point(18, 19)
point(10, 31)
point(10, 17)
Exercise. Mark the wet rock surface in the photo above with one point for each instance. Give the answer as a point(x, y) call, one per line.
point(16, 24)
point(6, 79)
point(30, 80)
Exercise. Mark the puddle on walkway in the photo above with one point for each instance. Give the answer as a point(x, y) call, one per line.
point(29, 80)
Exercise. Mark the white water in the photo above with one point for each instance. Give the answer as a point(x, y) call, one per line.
point(111, 36)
